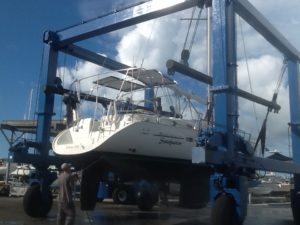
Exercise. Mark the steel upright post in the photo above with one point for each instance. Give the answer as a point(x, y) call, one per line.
point(226, 118)
point(294, 93)
point(294, 89)
point(46, 100)
point(224, 69)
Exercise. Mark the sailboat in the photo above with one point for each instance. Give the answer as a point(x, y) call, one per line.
point(146, 133)
point(164, 124)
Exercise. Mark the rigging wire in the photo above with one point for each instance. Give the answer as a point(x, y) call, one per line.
point(247, 66)
point(122, 84)
point(147, 43)
point(77, 91)
point(169, 99)
point(96, 105)
point(141, 50)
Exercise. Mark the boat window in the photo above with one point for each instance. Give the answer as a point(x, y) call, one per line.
point(66, 138)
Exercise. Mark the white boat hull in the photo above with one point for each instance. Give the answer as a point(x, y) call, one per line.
point(143, 135)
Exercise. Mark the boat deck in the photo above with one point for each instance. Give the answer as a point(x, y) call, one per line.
point(107, 213)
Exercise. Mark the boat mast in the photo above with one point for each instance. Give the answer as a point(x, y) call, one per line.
point(209, 63)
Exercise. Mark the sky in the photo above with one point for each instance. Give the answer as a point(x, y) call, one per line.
point(150, 44)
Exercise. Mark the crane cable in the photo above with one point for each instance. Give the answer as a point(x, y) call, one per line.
point(189, 28)
point(195, 29)
point(185, 53)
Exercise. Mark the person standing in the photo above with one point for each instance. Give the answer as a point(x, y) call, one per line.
point(66, 207)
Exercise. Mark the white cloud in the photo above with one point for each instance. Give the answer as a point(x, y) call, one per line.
point(93, 8)
point(156, 41)
point(284, 15)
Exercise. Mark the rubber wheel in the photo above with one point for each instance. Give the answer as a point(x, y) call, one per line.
point(295, 204)
point(121, 196)
point(223, 211)
point(146, 198)
point(88, 193)
point(35, 204)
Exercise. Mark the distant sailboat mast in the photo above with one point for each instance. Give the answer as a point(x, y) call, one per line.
point(27, 117)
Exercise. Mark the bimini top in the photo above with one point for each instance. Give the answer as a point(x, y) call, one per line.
point(118, 84)
point(149, 78)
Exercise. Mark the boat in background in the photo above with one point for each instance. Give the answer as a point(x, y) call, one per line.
point(272, 185)
point(4, 187)
point(3, 169)
point(20, 179)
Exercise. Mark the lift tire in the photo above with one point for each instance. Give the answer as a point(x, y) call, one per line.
point(88, 192)
point(224, 212)
point(295, 204)
point(146, 198)
point(145, 201)
point(121, 195)
point(35, 204)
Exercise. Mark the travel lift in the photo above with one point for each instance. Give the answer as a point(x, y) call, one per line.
point(225, 150)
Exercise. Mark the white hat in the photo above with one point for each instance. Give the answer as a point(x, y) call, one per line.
point(65, 166)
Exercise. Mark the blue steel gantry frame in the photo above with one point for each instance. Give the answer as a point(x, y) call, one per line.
point(224, 83)
point(226, 105)
point(223, 37)
point(224, 75)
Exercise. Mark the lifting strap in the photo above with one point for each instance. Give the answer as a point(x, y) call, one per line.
point(262, 133)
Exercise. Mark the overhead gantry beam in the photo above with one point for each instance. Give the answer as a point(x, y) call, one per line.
point(93, 57)
point(123, 18)
point(257, 20)
point(174, 66)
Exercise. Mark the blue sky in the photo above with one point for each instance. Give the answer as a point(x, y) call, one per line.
point(22, 24)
